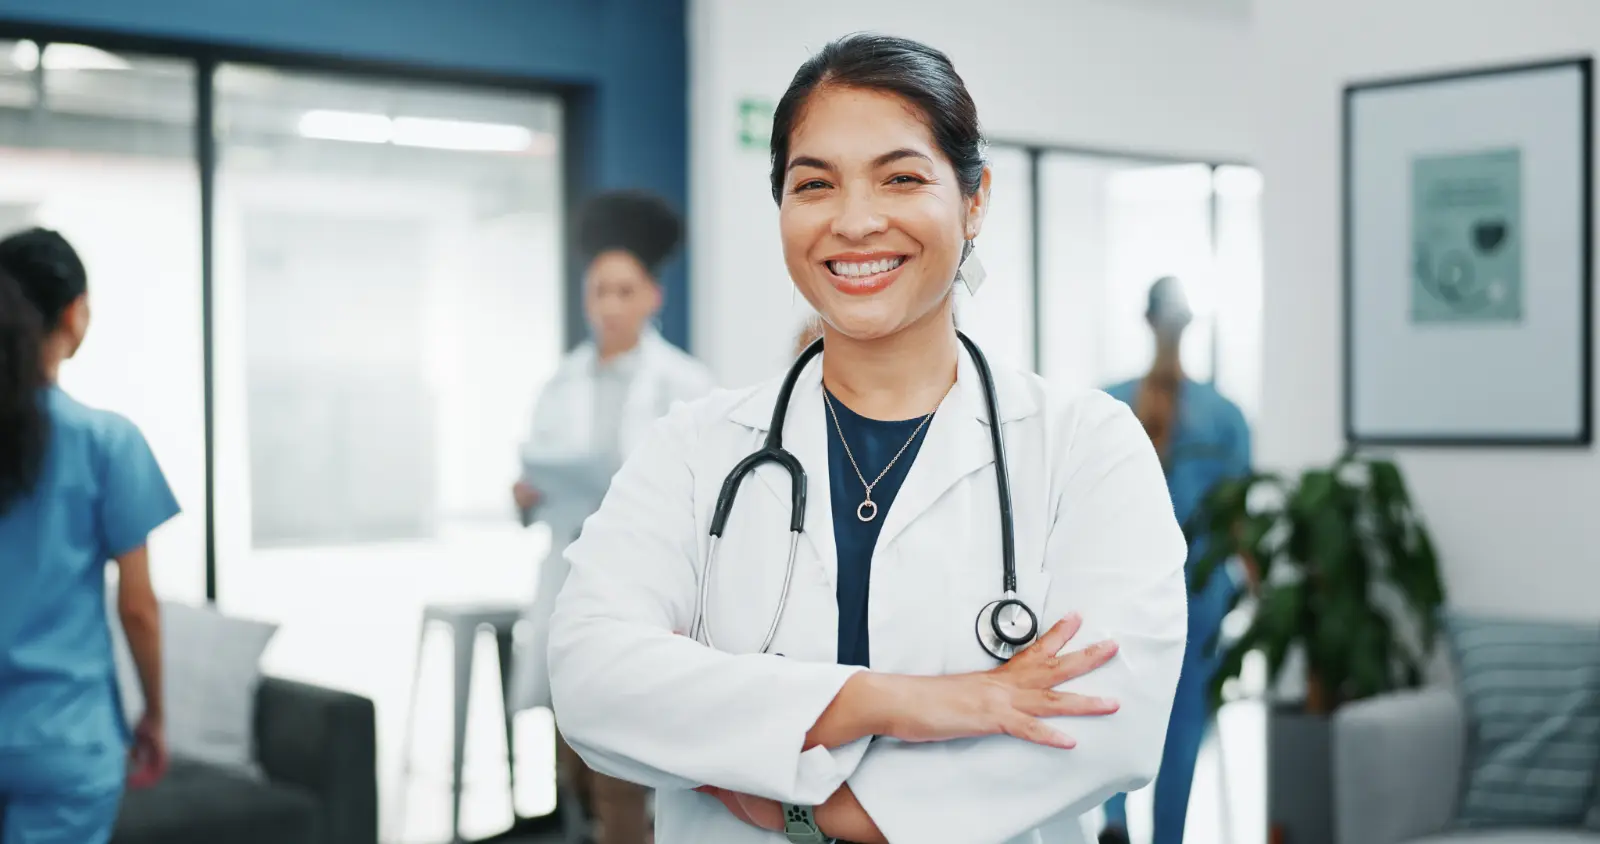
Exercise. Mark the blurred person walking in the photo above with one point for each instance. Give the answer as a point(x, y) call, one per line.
point(1202, 439)
point(602, 400)
point(79, 488)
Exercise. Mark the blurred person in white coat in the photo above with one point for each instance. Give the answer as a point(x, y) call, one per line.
point(600, 403)
point(974, 631)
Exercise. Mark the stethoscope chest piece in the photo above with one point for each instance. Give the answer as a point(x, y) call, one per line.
point(1006, 626)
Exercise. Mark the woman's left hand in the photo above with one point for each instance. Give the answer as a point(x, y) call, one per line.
point(756, 811)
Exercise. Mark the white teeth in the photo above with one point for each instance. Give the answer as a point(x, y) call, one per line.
point(850, 270)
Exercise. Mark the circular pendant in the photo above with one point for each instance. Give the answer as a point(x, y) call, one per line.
point(867, 511)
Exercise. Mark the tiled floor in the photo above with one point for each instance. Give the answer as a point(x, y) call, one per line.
point(350, 619)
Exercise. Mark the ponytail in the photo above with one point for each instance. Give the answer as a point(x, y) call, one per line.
point(40, 277)
point(24, 430)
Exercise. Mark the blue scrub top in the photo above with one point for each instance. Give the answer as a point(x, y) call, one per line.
point(874, 443)
point(1209, 444)
point(99, 495)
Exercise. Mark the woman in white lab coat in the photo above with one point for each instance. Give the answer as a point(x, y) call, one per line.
point(599, 404)
point(877, 714)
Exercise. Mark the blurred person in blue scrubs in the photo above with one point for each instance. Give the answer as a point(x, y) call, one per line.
point(1202, 439)
point(79, 488)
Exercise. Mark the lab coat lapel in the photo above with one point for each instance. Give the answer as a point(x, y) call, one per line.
point(957, 445)
point(805, 435)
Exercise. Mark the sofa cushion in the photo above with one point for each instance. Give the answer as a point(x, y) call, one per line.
point(198, 803)
point(212, 668)
point(1531, 691)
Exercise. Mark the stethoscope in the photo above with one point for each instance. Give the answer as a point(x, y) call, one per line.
point(1004, 626)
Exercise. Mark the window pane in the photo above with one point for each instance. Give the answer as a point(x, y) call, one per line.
point(1000, 317)
point(100, 147)
point(388, 302)
point(1238, 288)
point(1111, 228)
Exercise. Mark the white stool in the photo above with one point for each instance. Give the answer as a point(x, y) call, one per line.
point(464, 621)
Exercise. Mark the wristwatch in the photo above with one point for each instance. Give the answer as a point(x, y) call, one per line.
point(800, 825)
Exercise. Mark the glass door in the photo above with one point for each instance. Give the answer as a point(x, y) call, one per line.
point(388, 301)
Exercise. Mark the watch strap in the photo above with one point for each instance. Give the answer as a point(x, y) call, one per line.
point(800, 825)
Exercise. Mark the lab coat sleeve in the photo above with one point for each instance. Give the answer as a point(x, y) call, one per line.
point(1115, 555)
point(641, 703)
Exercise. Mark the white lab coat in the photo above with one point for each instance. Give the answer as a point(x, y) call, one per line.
point(563, 425)
point(1095, 533)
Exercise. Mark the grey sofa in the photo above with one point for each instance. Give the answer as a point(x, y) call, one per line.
point(317, 749)
point(1397, 769)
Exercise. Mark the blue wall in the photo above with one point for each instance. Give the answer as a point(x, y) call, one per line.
point(629, 57)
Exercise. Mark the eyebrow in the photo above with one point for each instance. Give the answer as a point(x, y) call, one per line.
point(887, 158)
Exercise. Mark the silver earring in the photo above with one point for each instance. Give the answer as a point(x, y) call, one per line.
point(972, 273)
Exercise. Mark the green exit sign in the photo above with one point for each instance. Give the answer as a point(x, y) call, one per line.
point(755, 123)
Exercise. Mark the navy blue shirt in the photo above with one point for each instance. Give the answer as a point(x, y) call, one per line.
point(874, 443)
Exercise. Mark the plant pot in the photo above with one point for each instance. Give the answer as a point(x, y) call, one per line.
point(1299, 776)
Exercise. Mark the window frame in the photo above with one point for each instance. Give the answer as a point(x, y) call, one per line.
point(577, 103)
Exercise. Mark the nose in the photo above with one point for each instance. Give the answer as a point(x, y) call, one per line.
point(858, 217)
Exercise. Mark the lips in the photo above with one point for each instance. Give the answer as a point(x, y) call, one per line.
point(865, 275)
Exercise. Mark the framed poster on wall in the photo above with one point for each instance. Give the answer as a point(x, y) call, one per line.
point(1468, 257)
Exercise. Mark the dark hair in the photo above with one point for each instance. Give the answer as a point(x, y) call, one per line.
point(913, 71)
point(1166, 297)
point(639, 223)
point(49, 270)
point(40, 276)
point(23, 429)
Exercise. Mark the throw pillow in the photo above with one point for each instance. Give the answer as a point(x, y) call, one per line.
point(1531, 691)
point(212, 669)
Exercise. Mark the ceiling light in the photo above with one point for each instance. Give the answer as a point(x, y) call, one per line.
point(461, 135)
point(25, 55)
point(368, 128)
point(80, 57)
point(354, 126)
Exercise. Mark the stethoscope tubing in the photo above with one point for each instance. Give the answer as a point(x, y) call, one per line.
point(772, 451)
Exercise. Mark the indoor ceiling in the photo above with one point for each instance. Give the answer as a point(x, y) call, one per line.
point(1226, 9)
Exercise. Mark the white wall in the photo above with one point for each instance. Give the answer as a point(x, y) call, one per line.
point(1076, 72)
point(1516, 529)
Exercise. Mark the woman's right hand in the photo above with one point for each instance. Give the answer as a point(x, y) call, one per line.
point(525, 495)
point(147, 757)
point(1012, 699)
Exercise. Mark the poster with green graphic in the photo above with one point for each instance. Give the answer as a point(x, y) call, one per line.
point(1466, 237)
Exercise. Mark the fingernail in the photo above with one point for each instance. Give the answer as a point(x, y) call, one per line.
point(1106, 703)
point(1106, 647)
point(1070, 618)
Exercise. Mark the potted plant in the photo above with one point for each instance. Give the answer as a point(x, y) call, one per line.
point(1347, 576)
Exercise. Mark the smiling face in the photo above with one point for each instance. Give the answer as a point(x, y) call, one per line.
point(872, 218)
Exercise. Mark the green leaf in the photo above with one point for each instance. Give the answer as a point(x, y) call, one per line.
point(1278, 622)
